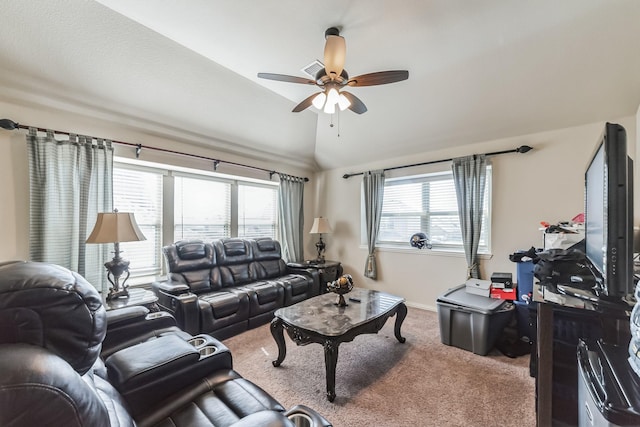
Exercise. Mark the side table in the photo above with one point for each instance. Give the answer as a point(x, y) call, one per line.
point(328, 271)
point(137, 296)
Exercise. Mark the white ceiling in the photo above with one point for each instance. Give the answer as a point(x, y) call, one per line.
point(478, 70)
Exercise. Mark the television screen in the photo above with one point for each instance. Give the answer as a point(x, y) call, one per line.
point(609, 214)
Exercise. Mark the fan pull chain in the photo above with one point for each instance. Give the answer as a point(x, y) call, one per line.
point(337, 113)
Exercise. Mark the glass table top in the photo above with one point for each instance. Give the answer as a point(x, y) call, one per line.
point(321, 314)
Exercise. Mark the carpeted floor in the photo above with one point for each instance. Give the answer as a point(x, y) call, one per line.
point(380, 382)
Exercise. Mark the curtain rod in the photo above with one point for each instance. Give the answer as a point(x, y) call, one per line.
point(521, 149)
point(11, 125)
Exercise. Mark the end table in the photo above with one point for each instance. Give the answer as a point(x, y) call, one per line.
point(328, 271)
point(137, 296)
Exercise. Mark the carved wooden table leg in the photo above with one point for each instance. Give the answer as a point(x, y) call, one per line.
point(330, 361)
point(401, 313)
point(278, 334)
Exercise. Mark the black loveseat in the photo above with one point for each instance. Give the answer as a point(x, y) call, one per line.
point(230, 285)
point(52, 346)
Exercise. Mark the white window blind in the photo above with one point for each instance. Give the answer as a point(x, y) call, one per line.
point(202, 209)
point(427, 204)
point(140, 192)
point(257, 214)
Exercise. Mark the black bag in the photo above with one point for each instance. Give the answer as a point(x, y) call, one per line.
point(556, 266)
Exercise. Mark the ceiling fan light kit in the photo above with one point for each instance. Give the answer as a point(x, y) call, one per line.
point(333, 78)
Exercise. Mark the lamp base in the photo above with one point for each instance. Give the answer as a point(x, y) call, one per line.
point(115, 293)
point(320, 247)
point(115, 269)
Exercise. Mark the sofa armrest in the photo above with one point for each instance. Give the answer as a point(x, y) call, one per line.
point(130, 325)
point(126, 315)
point(313, 273)
point(183, 305)
point(171, 288)
point(154, 370)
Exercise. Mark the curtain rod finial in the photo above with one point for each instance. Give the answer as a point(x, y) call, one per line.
point(523, 149)
point(8, 124)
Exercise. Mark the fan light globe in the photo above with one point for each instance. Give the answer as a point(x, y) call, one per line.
point(329, 107)
point(333, 96)
point(343, 102)
point(318, 101)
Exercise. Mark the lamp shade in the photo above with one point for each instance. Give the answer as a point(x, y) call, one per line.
point(320, 226)
point(113, 227)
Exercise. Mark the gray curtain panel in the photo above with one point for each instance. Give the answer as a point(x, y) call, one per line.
point(291, 217)
point(70, 181)
point(469, 176)
point(373, 188)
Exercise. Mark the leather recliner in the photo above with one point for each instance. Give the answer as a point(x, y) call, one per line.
point(53, 326)
point(227, 286)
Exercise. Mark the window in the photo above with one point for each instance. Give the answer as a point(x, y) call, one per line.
point(428, 204)
point(140, 191)
point(196, 206)
point(202, 209)
point(257, 215)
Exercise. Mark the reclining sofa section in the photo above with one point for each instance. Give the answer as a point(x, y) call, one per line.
point(230, 285)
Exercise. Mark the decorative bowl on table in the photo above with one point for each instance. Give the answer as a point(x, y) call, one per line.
point(343, 285)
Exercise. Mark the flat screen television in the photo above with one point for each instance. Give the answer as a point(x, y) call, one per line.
point(609, 214)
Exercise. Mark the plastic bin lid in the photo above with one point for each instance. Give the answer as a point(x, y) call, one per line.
point(459, 296)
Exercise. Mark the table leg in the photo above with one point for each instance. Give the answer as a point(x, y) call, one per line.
point(401, 313)
point(330, 361)
point(278, 334)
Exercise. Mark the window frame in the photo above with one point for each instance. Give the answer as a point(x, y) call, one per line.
point(441, 248)
point(168, 220)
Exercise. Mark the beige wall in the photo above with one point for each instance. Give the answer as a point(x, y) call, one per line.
point(545, 184)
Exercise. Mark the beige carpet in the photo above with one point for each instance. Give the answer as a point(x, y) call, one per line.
point(380, 382)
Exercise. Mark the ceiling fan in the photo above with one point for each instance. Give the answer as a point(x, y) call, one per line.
point(333, 78)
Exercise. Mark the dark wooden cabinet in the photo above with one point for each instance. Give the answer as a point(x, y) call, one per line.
point(328, 270)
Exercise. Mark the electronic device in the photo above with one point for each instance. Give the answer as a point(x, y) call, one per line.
point(609, 214)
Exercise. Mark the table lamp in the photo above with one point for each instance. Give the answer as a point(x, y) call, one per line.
point(115, 227)
point(320, 226)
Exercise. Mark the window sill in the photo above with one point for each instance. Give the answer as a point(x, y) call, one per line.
point(428, 252)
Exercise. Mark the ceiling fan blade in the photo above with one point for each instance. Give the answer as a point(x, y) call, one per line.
point(285, 78)
point(356, 106)
point(379, 78)
point(304, 104)
point(335, 51)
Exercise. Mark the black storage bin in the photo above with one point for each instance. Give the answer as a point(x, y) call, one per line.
point(472, 322)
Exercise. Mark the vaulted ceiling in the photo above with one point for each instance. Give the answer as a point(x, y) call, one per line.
point(478, 70)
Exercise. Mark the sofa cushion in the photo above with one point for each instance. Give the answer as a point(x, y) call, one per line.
point(265, 248)
point(189, 255)
point(233, 251)
point(223, 399)
point(191, 249)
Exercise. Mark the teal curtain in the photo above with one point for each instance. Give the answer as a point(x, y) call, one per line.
point(470, 177)
point(70, 181)
point(291, 217)
point(373, 189)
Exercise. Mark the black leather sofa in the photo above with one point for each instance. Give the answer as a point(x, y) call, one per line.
point(55, 371)
point(230, 285)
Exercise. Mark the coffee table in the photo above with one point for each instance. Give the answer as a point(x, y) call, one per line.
point(320, 320)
